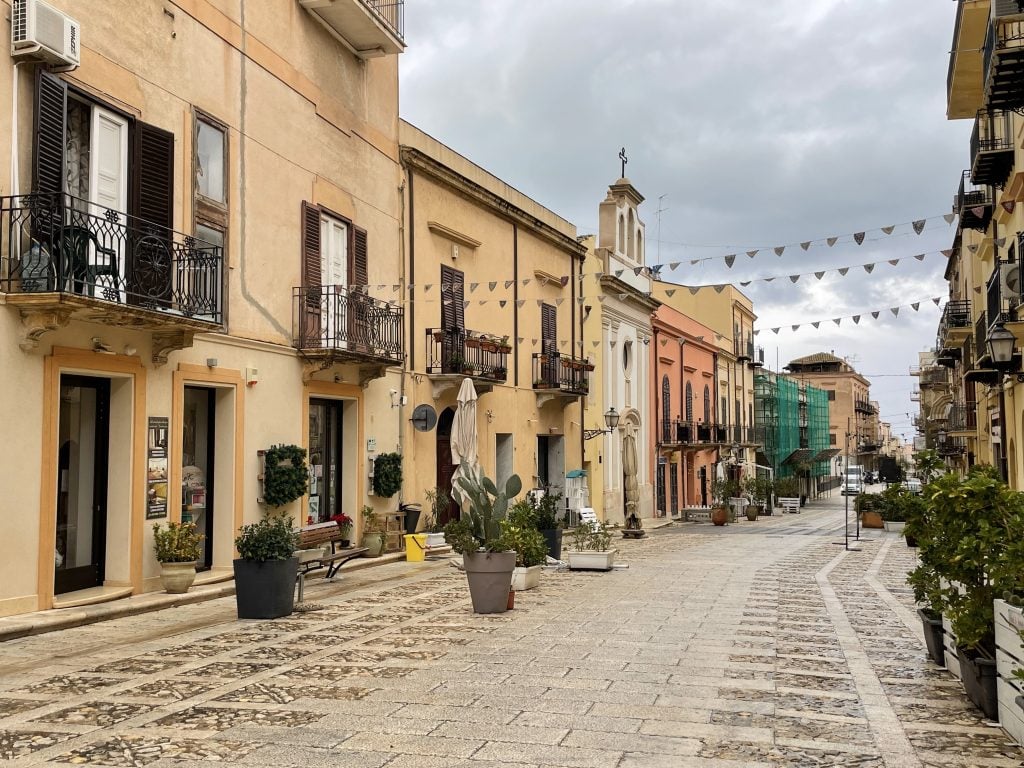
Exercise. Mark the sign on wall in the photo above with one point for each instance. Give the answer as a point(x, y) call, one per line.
point(156, 468)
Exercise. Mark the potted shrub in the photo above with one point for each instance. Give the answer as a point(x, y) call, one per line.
point(757, 489)
point(477, 537)
point(387, 475)
point(519, 534)
point(177, 550)
point(721, 491)
point(373, 532)
point(266, 568)
point(924, 580)
point(438, 500)
point(504, 346)
point(344, 523)
point(547, 513)
point(591, 548)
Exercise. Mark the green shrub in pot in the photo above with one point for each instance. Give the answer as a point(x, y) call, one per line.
point(266, 568)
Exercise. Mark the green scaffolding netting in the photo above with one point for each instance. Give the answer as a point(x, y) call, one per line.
point(791, 416)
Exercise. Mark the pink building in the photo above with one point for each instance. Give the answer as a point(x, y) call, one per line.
point(683, 411)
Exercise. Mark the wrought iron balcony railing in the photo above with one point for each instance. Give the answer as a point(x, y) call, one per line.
point(934, 377)
point(347, 321)
point(1003, 57)
point(555, 371)
point(865, 407)
point(962, 417)
point(57, 243)
point(391, 12)
point(973, 204)
point(992, 147)
point(743, 348)
point(466, 352)
point(690, 433)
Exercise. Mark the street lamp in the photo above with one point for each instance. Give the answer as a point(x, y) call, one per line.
point(1000, 348)
point(611, 420)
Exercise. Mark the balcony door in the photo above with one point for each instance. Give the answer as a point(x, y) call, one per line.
point(453, 320)
point(334, 320)
point(83, 448)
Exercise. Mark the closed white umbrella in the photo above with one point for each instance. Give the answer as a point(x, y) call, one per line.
point(632, 486)
point(464, 438)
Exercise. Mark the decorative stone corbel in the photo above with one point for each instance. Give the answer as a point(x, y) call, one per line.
point(312, 367)
point(165, 342)
point(35, 323)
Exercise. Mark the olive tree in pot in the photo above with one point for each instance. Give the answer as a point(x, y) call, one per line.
point(373, 532)
point(266, 568)
point(177, 550)
point(477, 537)
point(548, 520)
point(721, 491)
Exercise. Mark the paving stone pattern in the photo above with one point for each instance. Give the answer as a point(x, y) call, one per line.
point(758, 644)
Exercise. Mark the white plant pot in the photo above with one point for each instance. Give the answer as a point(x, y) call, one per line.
point(436, 540)
point(176, 578)
point(591, 561)
point(526, 578)
point(893, 526)
point(1009, 656)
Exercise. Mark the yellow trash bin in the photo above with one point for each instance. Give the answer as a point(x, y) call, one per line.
point(415, 547)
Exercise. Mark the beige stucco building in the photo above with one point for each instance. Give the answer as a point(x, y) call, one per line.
point(201, 232)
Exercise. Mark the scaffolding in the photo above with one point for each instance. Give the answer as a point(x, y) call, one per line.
point(793, 420)
point(818, 429)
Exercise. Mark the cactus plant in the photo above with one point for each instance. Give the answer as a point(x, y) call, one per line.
point(487, 505)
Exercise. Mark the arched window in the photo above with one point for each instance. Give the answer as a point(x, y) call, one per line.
point(666, 406)
point(629, 235)
point(707, 405)
point(689, 402)
point(622, 234)
point(639, 245)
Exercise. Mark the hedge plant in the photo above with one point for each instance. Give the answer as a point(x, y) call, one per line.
point(285, 476)
point(387, 475)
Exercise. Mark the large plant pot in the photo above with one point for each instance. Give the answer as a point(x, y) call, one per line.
point(265, 590)
point(752, 512)
point(435, 540)
point(932, 626)
point(719, 515)
point(553, 538)
point(526, 578)
point(911, 540)
point(591, 561)
point(176, 578)
point(893, 526)
point(374, 542)
point(871, 519)
point(490, 576)
point(979, 678)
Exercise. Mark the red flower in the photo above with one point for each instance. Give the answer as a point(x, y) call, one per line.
point(343, 520)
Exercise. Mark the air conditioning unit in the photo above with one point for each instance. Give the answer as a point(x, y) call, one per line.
point(41, 32)
point(1009, 282)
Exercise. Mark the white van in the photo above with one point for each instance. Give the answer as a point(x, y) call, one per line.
point(853, 480)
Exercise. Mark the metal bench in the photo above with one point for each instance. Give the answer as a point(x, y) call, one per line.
point(790, 504)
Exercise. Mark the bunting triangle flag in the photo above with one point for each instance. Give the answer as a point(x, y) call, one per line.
point(520, 303)
point(888, 230)
point(622, 296)
point(757, 333)
point(936, 301)
point(831, 241)
point(598, 275)
point(558, 302)
point(869, 268)
point(856, 319)
point(1008, 205)
point(819, 275)
point(508, 284)
point(795, 327)
point(410, 286)
point(664, 342)
point(618, 272)
point(1000, 242)
point(540, 302)
point(843, 270)
point(977, 289)
point(719, 288)
point(694, 289)
point(895, 311)
point(779, 250)
point(947, 253)
point(427, 287)
point(492, 285)
point(395, 288)
point(535, 342)
point(775, 331)
point(601, 298)
point(894, 262)
point(502, 303)
point(481, 302)
point(526, 281)
point(730, 260)
point(794, 278)
point(949, 217)
point(978, 210)
point(520, 339)
point(694, 262)
point(751, 254)
point(637, 271)
point(806, 244)
point(670, 292)
point(562, 344)
point(465, 305)
point(919, 226)
point(919, 256)
point(837, 320)
point(447, 302)
point(473, 286)
point(875, 315)
point(579, 300)
point(564, 280)
point(816, 324)
point(595, 344)
point(745, 283)
point(915, 305)
point(858, 237)
point(973, 248)
point(768, 279)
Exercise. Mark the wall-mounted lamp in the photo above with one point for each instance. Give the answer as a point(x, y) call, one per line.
point(212, 362)
point(611, 420)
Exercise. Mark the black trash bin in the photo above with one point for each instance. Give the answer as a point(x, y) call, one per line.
point(412, 516)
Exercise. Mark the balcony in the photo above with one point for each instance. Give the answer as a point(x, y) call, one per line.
point(757, 359)
point(933, 378)
point(992, 148)
point(973, 204)
point(1003, 57)
point(964, 81)
point(950, 447)
point(62, 257)
point(337, 324)
point(556, 375)
point(743, 349)
point(694, 435)
point(954, 330)
point(865, 407)
point(370, 27)
point(915, 396)
point(456, 353)
point(962, 417)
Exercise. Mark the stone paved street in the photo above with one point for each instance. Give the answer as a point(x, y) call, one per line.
point(760, 644)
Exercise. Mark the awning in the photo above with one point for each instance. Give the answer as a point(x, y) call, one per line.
point(984, 376)
point(826, 455)
point(762, 458)
point(799, 456)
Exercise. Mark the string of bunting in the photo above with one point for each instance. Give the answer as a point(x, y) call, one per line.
point(875, 313)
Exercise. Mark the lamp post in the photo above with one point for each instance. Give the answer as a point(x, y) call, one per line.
point(611, 421)
point(1000, 343)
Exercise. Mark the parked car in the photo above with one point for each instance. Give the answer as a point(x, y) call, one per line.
point(913, 484)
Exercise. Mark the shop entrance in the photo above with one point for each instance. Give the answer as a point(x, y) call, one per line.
point(325, 459)
point(197, 465)
point(82, 454)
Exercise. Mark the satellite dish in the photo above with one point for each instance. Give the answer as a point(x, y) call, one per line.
point(424, 418)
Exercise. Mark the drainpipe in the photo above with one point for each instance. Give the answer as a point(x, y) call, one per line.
point(401, 282)
point(15, 171)
point(515, 303)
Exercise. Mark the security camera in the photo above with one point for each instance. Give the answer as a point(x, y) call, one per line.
point(393, 391)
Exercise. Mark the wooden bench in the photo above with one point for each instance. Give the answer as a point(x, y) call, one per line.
point(324, 536)
point(790, 504)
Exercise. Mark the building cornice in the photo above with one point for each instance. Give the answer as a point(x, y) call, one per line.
point(612, 284)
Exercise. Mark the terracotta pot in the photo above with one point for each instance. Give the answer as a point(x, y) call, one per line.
point(511, 599)
point(719, 515)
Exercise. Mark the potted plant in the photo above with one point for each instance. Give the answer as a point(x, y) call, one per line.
point(439, 500)
point(868, 505)
point(472, 342)
point(721, 490)
point(756, 489)
point(489, 344)
point(519, 534)
point(387, 475)
point(177, 550)
point(373, 532)
point(344, 523)
point(924, 580)
point(591, 548)
point(455, 363)
point(547, 513)
point(477, 537)
point(504, 346)
point(266, 568)
point(438, 334)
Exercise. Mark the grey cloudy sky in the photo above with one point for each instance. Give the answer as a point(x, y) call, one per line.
point(762, 124)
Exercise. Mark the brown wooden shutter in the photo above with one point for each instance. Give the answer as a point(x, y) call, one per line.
point(453, 311)
point(549, 345)
point(309, 310)
point(360, 305)
point(358, 267)
point(152, 208)
point(51, 117)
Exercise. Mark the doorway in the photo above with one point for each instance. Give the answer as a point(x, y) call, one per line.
point(326, 454)
point(445, 465)
point(82, 463)
point(197, 465)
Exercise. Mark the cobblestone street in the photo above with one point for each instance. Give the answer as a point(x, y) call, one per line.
point(758, 644)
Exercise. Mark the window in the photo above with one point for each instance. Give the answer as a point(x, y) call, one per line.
point(831, 394)
point(210, 160)
point(689, 402)
point(707, 405)
point(832, 438)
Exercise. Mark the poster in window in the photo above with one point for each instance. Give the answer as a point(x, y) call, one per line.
point(156, 468)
